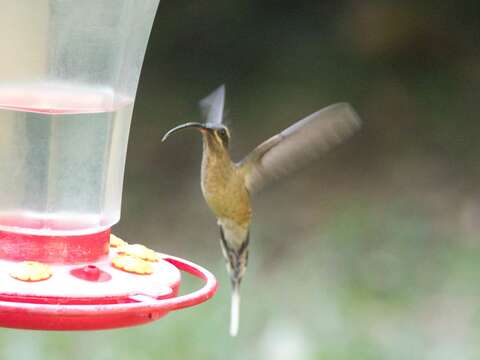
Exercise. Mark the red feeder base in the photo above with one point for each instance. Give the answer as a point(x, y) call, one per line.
point(43, 313)
point(83, 288)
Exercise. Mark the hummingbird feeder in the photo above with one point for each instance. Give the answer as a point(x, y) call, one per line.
point(68, 78)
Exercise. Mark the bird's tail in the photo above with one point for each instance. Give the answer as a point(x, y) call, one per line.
point(235, 309)
point(236, 260)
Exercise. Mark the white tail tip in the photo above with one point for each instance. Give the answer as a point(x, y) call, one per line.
point(235, 312)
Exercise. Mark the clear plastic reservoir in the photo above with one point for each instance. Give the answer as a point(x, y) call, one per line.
point(69, 72)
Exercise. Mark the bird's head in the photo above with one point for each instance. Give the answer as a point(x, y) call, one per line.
point(215, 135)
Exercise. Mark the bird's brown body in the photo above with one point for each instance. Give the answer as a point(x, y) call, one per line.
point(224, 190)
point(227, 186)
point(223, 185)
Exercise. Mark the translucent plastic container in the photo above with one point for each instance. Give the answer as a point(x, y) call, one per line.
point(69, 72)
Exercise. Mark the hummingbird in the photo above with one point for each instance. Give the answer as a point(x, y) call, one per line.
point(227, 186)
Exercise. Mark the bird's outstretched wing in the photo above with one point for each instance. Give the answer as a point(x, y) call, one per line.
point(212, 106)
point(298, 144)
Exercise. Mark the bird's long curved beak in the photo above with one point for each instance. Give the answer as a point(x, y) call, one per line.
point(184, 126)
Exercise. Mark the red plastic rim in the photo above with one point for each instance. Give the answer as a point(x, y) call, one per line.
point(144, 309)
point(54, 249)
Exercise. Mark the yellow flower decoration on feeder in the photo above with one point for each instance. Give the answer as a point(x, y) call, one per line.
point(31, 271)
point(139, 251)
point(116, 242)
point(132, 264)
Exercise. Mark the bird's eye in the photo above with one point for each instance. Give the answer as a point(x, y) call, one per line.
point(223, 135)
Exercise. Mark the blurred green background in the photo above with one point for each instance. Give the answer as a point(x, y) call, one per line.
point(370, 252)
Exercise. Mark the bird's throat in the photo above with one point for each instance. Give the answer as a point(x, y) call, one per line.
point(215, 155)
